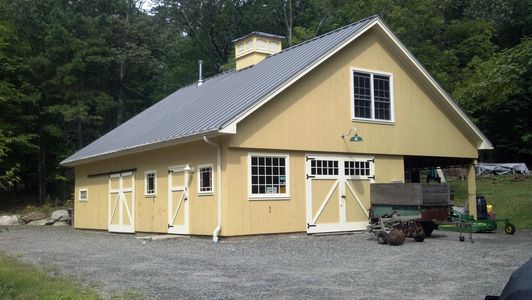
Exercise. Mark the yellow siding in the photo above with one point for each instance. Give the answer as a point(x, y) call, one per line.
point(242, 216)
point(151, 213)
point(389, 169)
point(312, 114)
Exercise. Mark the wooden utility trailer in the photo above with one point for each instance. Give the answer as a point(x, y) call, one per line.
point(429, 200)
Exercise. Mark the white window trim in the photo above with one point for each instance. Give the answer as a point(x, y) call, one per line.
point(352, 96)
point(86, 199)
point(154, 194)
point(284, 196)
point(205, 193)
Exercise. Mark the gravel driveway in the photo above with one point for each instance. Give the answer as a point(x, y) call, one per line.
point(284, 266)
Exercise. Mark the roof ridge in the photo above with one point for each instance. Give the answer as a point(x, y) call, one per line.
point(325, 34)
point(289, 48)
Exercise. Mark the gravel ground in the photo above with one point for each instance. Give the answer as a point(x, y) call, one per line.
point(283, 266)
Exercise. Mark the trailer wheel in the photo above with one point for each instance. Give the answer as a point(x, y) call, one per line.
point(428, 228)
point(509, 228)
point(419, 238)
point(382, 237)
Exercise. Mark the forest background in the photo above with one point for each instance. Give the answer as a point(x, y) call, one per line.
point(71, 70)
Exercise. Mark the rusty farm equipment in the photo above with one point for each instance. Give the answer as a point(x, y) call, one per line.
point(393, 229)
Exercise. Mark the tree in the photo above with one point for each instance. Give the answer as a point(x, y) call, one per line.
point(498, 94)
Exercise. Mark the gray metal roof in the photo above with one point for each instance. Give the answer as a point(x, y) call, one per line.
point(195, 110)
point(260, 33)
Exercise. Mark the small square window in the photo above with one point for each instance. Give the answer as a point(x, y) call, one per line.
point(83, 195)
point(150, 184)
point(205, 179)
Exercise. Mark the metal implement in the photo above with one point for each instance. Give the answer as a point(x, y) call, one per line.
point(409, 225)
point(459, 221)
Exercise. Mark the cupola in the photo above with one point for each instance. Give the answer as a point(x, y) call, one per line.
point(254, 47)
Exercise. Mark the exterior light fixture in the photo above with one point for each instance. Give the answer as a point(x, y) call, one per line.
point(355, 137)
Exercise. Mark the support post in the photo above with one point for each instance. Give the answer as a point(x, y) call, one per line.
point(472, 189)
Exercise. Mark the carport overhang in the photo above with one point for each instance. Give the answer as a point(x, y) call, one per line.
point(413, 163)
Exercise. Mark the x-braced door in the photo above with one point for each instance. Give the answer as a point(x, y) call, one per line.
point(122, 202)
point(338, 192)
point(178, 210)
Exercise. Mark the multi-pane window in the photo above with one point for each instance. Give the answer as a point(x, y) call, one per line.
point(324, 167)
point(357, 168)
point(372, 96)
point(150, 183)
point(83, 195)
point(269, 175)
point(362, 95)
point(205, 179)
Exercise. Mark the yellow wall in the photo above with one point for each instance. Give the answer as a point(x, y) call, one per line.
point(151, 212)
point(312, 114)
point(250, 59)
point(242, 216)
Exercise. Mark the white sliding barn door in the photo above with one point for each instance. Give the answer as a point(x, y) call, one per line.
point(122, 202)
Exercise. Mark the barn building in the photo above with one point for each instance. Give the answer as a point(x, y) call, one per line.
point(289, 141)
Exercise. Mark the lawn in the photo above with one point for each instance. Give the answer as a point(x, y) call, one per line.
point(22, 281)
point(510, 195)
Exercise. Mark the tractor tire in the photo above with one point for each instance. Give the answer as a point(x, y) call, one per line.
point(396, 237)
point(509, 228)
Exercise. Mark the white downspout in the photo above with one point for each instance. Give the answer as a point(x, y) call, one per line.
point(219, 188)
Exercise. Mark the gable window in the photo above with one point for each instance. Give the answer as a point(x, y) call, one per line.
point(83, 195)
point(150, 184)
point(269, 176)
point(205, 179)
point(372, 96)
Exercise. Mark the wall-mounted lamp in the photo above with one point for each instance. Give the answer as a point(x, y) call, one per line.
point(355, 137)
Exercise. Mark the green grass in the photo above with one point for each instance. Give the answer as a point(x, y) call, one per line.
point(23, 281)
point(510, 195)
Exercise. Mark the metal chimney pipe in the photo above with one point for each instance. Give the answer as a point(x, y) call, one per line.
point(200, 79)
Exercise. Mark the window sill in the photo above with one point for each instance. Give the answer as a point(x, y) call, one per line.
point(268, 198)
point(203, 194)
point(150, 195)
point(84, 200)
point(383, 122)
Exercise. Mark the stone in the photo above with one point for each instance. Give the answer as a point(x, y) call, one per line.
point(9, 220)
point(40, 222)
point(61, 223)
point(33, 216)
point(60, 215)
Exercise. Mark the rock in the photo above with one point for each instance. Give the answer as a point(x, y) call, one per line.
point(40, 222)
point(61, 223)
point(9, 220)
point(33, 216)
point(60, 215)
